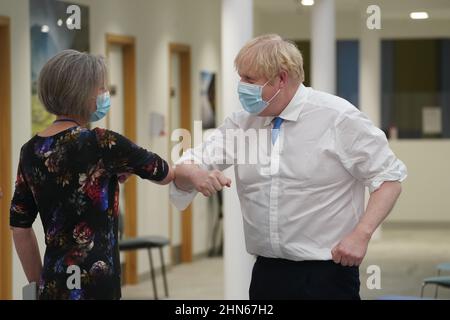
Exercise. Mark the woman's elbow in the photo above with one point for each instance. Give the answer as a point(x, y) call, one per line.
point(169, 178)
point(20, 231)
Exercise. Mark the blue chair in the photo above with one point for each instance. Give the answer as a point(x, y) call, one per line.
point(438, 281)
point(148, 243)
point(442, 281)
point(443, 267)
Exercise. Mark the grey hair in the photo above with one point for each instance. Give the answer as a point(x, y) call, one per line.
point(69, 80)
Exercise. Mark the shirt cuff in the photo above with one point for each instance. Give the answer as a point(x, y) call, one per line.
point(396, 172)
point(180, 198)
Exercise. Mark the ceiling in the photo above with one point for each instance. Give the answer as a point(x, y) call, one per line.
point(390, 9)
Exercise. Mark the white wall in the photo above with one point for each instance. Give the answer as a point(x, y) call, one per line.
point(17, 11)
point(425, 196)
point(155, 24)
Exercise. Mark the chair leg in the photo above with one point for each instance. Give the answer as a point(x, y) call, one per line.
point(436, 292)
point(421, 291)
point(437, 287)
point(163, 268)
point(152, 272)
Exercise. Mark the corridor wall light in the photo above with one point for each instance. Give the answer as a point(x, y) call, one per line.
point(419, 15)
point(307, 2)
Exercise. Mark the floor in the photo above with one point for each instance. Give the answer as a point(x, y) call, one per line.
point(404, 255)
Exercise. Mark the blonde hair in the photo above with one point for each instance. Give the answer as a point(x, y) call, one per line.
point(268, 55)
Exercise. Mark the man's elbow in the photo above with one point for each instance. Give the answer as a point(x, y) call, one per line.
point(399, 189)
point(396, 187)
point(393, 187)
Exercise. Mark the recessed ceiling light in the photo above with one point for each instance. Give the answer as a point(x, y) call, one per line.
point(307, 2)
point(419, 15)
point(45, 29)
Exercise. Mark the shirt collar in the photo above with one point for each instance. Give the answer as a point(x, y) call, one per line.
point(293, 109)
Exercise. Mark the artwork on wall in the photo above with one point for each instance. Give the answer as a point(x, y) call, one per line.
point(54, 26)
point(208, 99)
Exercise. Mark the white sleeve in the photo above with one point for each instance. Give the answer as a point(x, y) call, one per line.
point(364, 151)
point(212, 154)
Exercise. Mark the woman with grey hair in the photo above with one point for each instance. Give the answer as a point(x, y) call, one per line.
point(70, 174)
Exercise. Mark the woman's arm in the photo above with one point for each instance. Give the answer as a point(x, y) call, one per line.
point(123, 177)
point(124, 158)
point(28, 250)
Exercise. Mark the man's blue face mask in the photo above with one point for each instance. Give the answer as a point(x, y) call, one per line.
point(103, 104)
point(251, 99)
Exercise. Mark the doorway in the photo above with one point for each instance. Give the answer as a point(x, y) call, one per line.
point(5, 160)
point(180, 223)
point(121, 54)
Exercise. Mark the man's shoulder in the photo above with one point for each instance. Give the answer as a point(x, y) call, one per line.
point(326, 102)
point(243, 120)
point(329, 101)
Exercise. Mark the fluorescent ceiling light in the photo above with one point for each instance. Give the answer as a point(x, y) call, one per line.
point(45, 29)
point(419, 15)
point(307, 2)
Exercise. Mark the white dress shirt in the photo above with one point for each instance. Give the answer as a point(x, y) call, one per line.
point(305, 193)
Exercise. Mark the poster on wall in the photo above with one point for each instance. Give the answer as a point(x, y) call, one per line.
point(54, 26)
point(208, 99)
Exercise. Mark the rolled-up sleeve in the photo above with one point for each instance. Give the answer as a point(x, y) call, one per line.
point(212, 154)
point(364, 151)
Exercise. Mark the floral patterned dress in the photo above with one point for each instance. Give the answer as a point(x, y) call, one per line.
point(71, 179)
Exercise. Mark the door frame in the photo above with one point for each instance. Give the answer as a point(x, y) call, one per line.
point(128, 44)
point(5, 161)
point(184, 52)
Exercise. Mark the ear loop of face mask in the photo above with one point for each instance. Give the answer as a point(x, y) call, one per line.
point(274, 96)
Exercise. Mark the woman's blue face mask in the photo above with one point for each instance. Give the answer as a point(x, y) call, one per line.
point(251, 99)
point(103, 105)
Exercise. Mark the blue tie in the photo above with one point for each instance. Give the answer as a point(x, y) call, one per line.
point(276, 128)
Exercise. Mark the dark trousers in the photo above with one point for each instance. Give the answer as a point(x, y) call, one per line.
point(275, 279)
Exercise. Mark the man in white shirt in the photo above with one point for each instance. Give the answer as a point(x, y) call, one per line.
point(303, 199)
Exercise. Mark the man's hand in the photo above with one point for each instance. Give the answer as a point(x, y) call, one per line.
point(352, 249)
point(209, 182)
point(189, 176)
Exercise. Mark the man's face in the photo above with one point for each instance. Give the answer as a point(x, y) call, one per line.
point(269, 90)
